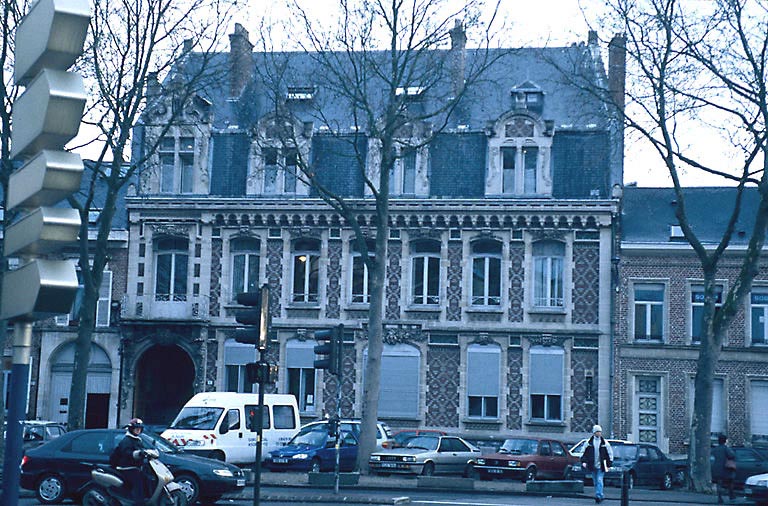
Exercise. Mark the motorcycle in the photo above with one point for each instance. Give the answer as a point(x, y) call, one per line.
point(107, 487)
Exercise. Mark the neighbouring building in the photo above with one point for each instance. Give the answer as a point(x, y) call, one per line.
point(659, 298)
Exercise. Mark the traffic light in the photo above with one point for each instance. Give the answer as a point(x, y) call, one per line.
point(330, 349)
point(256, 316)
point(333, 426)
point(261, 373)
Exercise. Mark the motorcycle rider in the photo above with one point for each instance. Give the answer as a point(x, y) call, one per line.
point(127, 458)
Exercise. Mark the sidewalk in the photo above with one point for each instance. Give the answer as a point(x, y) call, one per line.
point(408, 484)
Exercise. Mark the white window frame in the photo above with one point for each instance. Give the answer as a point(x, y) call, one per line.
point(758, 397)
point(249, 256)
point(177, 177)
point(244, 354)
point(646, 307)
point(481, 392)
point(485, 299)
point(175, 254)
point(719, 406)
point(365, 296)
point(102, 318)
point(547, 396)
point(430, 271)
point(758, 307)
point(697, 291)
point(545, 273)
point(312, 264)
point(307, 401)
point(286, 179)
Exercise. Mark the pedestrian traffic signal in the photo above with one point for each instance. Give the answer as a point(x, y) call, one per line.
point(329, 351)
point(256, 317)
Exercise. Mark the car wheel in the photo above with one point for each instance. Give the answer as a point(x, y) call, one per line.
point(211, 499)
point(530, 474)
point(315, 466)
point(50, 489)
point(666, 483)
point(429, 469)
point(190, 487)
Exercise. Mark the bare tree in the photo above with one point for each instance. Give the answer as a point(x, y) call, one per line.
point(393, 76)
point(698, 71)
point(133, 42)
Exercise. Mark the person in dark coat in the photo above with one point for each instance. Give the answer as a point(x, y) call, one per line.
point(127, 459)
point(597, 459)
point(721, 474)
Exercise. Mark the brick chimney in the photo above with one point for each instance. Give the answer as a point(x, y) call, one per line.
point(458, 56)
point(240, 61)
point(617, 69)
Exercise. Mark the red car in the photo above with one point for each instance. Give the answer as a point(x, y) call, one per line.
point(400, 438)
point(527, 459)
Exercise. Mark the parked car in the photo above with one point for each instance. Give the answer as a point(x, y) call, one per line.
point(527, 458)
point(401, 437)
point(427, 455)
point(756, 489)
point(383, 432)
point(59, 468)
point(643, 463)
point(749, 462)
point(314, 449)
point(37, 432)
point(577, 450)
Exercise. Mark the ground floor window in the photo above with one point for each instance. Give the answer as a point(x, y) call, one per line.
point(483, 364)
point(299, 362)
point(758, 401)
point(236, 355)
point(546, 388)
point(400, 379)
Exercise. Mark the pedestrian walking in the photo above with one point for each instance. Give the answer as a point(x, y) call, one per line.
point(723, 468)
point(597, 459)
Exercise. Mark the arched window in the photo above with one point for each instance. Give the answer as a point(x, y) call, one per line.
point(486, 273)
point(245, 264)
point(361, 291)
point(548, 261)
point(306, 270)
point(425, 272)
point(483, 380)
point(300, 364)
point(172, 268)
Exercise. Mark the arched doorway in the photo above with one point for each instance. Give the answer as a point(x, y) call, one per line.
point(164, 383)
point(97, 387)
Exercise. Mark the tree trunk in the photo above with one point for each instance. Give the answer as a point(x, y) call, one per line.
point(77, 393)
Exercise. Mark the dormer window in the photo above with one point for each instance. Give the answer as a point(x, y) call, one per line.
point(177, 162)
point(280, 169)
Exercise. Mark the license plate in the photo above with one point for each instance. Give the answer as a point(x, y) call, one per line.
point(280, 461)
point(241, 483)
point(496, 471)
point(389, 464)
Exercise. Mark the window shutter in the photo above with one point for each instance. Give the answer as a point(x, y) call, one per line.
point(300, 354)
point(483, 370)
point(105, 299)
point(399, 391)
point(546, 371)
point(238, 354)
point(759, 421)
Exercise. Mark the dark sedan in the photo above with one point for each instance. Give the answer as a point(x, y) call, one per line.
point(527, 458)
point(59, 469)
point(749, 462)
point(641, 464)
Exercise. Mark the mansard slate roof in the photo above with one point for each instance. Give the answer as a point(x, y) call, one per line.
point(648, 214)
point(582, 153)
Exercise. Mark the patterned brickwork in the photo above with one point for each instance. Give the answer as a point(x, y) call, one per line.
point(118, 264)
point(273, 357)
point(443, 386)
point(274, 272)
point(455, 261)
point(516, 281)
point(347, 386)
point(212, 353)
point(584, 414)
point(394, 277)
point(333, 291)
point(586, 282)
point(514, 389)
point(215, 292)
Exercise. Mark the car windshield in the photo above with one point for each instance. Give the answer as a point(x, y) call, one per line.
point(311, 436)
point(197, 418)
point(403, 437)
point(154, 441)
point(423, 442)
point(520, 447)
point(625, 452)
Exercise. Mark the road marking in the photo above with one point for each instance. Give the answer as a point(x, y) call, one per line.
point(455, 503)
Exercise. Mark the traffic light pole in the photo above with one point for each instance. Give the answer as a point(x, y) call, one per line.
point(259, 432)
point(339, 363)
point(22, 346)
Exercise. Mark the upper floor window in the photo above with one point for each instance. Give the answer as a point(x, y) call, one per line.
point(519, 158)
point(758, 301)
point(425, 269)
point(519, 169)
point(103, 305)
point(548, 261)
point(245, 264)
point(361, 291)
point(483, 383)
point(402, 175)
point(280, 169)
point(546, 389)
point(486, 273)
point(649, 311)
point(172, 261)
point(177, 157)
point(697, 310)
point(306, 270)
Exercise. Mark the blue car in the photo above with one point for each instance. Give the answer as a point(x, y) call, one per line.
point(312, 449)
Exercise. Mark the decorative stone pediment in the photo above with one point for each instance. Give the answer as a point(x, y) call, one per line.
point(170, 229)
point(398, 333)
point(548, 340)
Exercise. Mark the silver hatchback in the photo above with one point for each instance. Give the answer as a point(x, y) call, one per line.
point(427, 455)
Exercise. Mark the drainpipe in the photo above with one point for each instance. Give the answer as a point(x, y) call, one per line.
point(616, 193)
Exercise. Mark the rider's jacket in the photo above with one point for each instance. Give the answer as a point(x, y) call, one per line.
point(126, 454)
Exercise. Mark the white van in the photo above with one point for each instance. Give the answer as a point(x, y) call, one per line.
point(218, 425)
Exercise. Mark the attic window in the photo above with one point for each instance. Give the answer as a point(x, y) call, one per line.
point(300, 93)
point(410, 92)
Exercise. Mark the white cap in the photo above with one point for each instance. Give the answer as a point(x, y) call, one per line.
point(597, 428)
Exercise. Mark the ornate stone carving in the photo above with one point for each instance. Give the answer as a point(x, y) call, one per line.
point(548, 340)
point(176, 229)
point(454, 292)
point(333, 290)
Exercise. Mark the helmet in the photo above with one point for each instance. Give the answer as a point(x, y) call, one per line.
point(135, 423)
